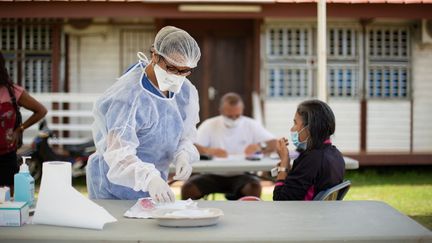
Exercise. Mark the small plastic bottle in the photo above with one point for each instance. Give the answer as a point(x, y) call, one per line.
point(24, 184)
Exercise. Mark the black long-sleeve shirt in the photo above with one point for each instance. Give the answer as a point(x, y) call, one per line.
point(312, 172)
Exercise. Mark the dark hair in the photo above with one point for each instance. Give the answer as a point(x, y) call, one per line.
point(319, 119)
point(5, 80)
point(231, 98)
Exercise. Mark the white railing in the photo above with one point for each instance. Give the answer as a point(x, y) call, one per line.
point(75, 107)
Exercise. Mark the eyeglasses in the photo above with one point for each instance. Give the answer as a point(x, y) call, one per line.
point(173, 70)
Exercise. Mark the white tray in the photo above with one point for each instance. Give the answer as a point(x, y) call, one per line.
point(182, 221)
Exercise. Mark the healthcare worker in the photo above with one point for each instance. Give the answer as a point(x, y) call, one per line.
point(146, 121)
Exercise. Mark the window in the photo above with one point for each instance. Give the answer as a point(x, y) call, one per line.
point(133, 40)
point(388, 81)
point(289, 42)
point(343, 80)
point(27, 49)
point(343, 61)
point(342, 42)
point(388, 61)
point(289, 82)
point(8, 45)
point(288, 68)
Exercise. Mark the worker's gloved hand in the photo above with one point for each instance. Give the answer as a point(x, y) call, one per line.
point(183, 167)
point(160, 191)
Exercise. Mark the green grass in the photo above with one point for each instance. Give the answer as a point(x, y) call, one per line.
point(408, 189)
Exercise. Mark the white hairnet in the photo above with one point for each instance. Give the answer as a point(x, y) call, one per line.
point(177, 47)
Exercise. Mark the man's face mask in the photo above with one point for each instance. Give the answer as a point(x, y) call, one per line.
point(296, 140)
point(167, 81)
point(230, 123)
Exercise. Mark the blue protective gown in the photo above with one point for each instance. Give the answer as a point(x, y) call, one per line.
point(137, 135)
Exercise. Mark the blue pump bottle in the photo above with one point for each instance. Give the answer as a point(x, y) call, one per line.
point(24, 184)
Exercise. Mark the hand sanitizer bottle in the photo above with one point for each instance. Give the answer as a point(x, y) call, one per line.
point(24, 184)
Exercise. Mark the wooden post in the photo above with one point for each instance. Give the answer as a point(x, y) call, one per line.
point(322, 54)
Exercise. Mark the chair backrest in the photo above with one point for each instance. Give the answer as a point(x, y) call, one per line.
point(249, 198)
point(337, 192)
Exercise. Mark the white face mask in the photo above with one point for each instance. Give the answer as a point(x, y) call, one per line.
point(167, 81)
point(230, 123)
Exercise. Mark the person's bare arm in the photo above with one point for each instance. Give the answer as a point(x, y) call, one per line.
point(271, 146)
point(217, 152)
point(282, 150)
point(29, 103)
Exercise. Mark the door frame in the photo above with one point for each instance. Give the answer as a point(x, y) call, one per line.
point(204, 28)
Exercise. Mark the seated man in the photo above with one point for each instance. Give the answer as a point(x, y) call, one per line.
point(229, 134)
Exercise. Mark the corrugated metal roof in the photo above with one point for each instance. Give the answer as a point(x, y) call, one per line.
point(239, 1)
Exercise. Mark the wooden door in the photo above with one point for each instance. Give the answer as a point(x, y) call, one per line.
point(226, 60)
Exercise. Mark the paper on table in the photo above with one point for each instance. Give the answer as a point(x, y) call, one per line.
point(138, 211)
point(231, 157)
point(60, 204)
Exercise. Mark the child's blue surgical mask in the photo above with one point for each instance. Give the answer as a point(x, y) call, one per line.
point(296, 140)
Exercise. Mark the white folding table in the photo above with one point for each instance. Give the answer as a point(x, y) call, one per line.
point(247, 221)
point(239, 164)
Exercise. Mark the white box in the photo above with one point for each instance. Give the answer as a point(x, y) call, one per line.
point(13, 213)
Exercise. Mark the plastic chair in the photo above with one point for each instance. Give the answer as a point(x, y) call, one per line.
point(249, 198)
point(337, 192)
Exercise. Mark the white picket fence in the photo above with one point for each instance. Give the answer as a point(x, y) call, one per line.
point(80, 116)
point(78, 113)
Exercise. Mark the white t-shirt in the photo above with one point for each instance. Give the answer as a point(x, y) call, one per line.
point(213, 133)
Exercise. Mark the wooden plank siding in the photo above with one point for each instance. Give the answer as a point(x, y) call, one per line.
point(422, 103)
point(94, 61)
point(280, 114)
point(388, 126)
point(347, 134)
